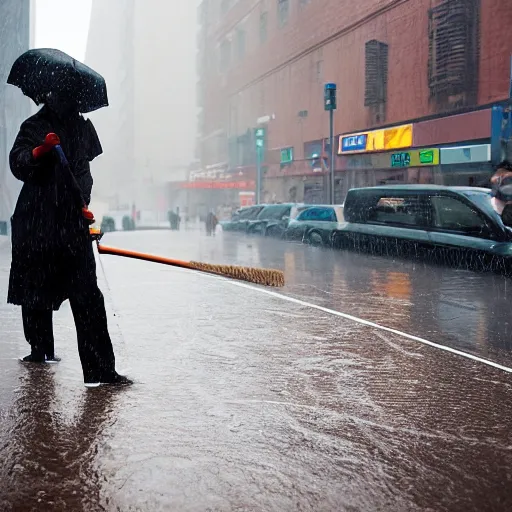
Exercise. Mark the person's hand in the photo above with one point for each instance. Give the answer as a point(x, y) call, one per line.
point(50, 141)
point(88, 215)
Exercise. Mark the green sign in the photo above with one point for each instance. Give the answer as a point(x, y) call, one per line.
point(286, 156)
point(427, 157)
point(415, 158)
point(400, 159)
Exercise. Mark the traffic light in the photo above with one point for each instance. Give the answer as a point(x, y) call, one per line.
point(330, 97)
point(259, 135)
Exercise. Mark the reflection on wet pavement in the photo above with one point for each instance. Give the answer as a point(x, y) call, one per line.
point(462, 309)
point(246, 402)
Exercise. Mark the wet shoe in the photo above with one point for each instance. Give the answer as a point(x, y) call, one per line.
point(31, 358)
point(92, 384)
point(52, 360)
point(116, 380)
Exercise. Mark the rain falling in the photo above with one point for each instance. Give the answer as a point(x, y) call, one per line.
point(255, 255)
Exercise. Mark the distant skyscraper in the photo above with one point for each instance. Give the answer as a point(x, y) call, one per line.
point(14, 107)
point(146, 51)
point(113, 22)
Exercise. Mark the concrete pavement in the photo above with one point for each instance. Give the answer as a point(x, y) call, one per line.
point(244, 401)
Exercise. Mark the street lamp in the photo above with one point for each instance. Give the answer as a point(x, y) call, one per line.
point(330, 106)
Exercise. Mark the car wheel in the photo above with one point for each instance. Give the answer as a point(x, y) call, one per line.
point(315, 238)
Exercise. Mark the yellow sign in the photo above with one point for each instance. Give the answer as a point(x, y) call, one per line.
point(386, 139)
point(415, 158)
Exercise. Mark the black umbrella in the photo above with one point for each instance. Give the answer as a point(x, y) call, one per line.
point(45, 71)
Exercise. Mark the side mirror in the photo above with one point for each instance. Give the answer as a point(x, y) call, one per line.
point(285, 217)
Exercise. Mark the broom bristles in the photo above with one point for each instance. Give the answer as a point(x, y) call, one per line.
point(265, 277)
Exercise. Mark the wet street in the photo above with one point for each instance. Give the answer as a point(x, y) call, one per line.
point(348, 390)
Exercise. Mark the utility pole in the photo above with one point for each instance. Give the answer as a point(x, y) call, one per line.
point(330, 106)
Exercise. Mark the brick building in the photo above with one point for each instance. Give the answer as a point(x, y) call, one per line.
point(422, 90)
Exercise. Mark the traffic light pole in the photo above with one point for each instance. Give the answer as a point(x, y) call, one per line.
point(258, 174)
point(259, 135)
point(332, 166)
point(330, 105)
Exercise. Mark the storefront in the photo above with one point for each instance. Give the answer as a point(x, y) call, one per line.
point(466, 165)
point(227, 192)
point(454, 150)
point(381, 157)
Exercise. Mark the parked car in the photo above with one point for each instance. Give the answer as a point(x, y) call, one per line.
point(457, 226)
point(273, 219)
point(315, 225)
point(241, 218)
point(108, 224)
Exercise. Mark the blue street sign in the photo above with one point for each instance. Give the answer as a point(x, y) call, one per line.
point(354, 143)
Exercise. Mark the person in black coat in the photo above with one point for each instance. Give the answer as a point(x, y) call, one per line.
point(211, 223)
point(52, 254)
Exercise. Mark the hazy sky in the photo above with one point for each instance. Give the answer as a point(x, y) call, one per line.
point(63, 24)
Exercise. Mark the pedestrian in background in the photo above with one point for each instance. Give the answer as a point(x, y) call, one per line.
point(211, 223)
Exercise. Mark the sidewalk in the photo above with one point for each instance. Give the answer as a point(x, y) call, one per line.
point(11, 331)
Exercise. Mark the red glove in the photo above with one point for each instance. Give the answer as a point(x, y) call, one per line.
point(50, 141)
point(88, 215)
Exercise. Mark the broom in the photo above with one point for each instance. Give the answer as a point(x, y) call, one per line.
point(265, 277)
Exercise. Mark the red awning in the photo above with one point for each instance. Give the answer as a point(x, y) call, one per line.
point(241, 185)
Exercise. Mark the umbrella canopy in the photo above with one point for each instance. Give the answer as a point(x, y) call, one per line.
point(45, 71)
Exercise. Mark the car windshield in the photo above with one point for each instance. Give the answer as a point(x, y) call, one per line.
point(274, 212)
point(247, 213)
point(483, 200)
point(318, 213)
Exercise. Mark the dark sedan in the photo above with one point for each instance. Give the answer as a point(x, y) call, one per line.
point(241, 218)
point(273, 219)
point(447, 225)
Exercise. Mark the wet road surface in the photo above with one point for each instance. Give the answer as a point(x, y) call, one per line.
point(244, 401)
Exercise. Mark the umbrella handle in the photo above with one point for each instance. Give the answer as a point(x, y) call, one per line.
point(60, 153)
point(65, 163)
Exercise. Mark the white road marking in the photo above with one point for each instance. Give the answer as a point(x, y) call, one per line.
point(354, 319)
point(372, 325)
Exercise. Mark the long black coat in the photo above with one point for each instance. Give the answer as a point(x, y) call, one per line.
point(51, 249)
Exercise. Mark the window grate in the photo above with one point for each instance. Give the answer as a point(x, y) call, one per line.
point(454, 52)
point(376, 73)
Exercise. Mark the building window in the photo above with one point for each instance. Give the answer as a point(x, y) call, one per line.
point(454, 53)
point(263, 27)
point(240, 43)
point(376, 79)
point(225, 56)
point(283, 12)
